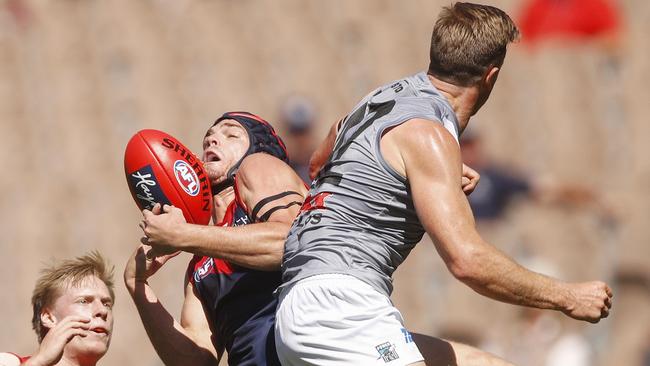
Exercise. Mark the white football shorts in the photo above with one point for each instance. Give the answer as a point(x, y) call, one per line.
point(336, 319)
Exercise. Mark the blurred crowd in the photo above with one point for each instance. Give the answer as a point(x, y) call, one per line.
point(81, 77)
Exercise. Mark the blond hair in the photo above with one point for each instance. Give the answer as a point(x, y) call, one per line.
point(71, 272)
point(468, 39)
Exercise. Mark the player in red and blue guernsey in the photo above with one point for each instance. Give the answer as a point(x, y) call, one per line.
point(229, 302)
point(230, 283)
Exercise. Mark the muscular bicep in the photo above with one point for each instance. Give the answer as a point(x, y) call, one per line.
point(195, 321)
point(433, 168)
point(279, 207)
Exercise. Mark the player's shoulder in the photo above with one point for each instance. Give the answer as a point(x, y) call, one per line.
point(421, 133)
point(262, 169)
point(9, 359)
point(260, 160)
point(260, 166)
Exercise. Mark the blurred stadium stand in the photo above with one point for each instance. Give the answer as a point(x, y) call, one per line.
point(79, 77)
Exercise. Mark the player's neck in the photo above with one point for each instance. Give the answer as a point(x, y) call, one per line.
point(462, 99)
point(221, 202)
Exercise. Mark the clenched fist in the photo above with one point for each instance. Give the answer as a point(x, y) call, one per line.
point(589, 301)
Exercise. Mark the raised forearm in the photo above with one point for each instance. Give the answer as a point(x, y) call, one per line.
point(256, 246)
point(173, 344)
point(491, 273)
point(322, 153)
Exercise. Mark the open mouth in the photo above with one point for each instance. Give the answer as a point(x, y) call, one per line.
point(211, 156)
point(99, 330)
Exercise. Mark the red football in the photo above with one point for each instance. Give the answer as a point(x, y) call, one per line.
point(160, 169)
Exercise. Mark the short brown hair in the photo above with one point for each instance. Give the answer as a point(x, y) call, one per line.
point(468, 39)
point(70, 272)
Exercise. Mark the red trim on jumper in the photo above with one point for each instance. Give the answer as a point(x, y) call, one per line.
point(20, 358)
point(229, 216)
point(223, 266)
point(238, 199)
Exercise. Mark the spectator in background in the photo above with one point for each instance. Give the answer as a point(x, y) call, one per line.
point(499, 185)
point(73, 316)
point(298, 117)
point(541, 338)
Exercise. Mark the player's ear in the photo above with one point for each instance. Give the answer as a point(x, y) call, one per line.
point(48, 319)
point(491, 75)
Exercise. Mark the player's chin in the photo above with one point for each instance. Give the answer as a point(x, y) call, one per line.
point(94, 344)
point(216, 171)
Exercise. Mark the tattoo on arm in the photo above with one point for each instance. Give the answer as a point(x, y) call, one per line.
point(272, 198)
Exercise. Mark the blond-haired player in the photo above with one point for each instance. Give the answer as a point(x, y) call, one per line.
point(72, 314)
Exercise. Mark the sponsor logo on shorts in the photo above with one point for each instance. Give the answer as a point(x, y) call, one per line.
point(408, 338)
point(387, 352)
point(146, 188)
point(186, 177)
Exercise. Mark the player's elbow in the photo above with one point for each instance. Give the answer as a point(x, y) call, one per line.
point(466, 265)
point(460, 270)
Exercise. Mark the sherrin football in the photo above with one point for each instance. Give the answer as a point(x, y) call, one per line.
point(160, 169)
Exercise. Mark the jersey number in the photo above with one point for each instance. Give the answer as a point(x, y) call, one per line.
point(351, 128)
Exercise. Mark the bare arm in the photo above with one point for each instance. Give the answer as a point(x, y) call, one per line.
point(259, 245)
point(431, 161)
point(323, 152)
point(185, 343)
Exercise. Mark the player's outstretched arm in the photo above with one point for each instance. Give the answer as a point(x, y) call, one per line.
point(272, 194)
point(432, 163)
point(184, 343)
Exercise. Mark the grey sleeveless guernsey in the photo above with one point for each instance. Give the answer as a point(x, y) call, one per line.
point(359, 217)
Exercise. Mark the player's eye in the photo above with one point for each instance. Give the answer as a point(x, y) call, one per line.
point(108, 304)
point(82, 301)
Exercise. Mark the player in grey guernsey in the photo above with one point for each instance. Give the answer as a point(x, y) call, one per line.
point(359, 218)
point(387, 173)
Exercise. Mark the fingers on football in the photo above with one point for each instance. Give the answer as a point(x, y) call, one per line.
point(156, 209)
point(146, 214)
